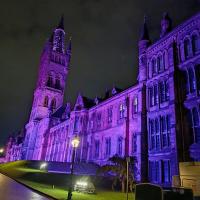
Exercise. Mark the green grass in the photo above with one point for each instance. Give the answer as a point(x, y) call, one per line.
point(27, 173)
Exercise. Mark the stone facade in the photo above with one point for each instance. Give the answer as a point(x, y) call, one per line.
point(157, 120)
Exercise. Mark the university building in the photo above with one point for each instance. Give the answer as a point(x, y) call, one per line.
point(157, 121)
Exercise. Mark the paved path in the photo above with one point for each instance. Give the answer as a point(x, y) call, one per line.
point(11, 190)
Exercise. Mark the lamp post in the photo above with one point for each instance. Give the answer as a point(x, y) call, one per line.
point(75, 144)
point(127, 175)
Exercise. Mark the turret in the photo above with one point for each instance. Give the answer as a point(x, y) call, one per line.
point(143, 44)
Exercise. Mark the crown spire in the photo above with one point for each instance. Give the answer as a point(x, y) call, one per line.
point(166, 24)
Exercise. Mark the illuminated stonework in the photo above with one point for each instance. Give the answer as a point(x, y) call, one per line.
point(149, 120)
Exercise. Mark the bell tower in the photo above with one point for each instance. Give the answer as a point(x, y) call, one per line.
point(53, 70)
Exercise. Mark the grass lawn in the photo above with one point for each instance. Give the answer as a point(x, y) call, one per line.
point(42, 181)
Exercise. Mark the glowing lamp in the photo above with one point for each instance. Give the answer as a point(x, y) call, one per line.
point(75, 142)
point(43, 165)
point(1, 150)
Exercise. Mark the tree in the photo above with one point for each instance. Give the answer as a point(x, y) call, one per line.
point(118, 169)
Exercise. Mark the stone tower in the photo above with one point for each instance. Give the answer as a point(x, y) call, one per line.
point(49, 92)
point(54, 63)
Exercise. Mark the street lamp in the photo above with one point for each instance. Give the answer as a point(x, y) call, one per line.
point(1, 150)
point(75, 143)
point(43, 166)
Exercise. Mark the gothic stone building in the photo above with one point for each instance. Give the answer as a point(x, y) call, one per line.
point(157, 120)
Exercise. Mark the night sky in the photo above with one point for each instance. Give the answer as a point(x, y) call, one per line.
point(104, 52)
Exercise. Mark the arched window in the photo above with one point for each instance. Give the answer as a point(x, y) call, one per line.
point(46, 101)
point(53, 104)
point(50, 81)
point(57, 84)
point(195, 43)
point(119, 146)
point(197, 73)
point(192, 80)
point(196, 126)
point(187, 48)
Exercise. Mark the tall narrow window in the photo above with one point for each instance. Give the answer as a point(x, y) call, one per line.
point(157, 130)
point(98, 120)
point(110, 115)
point(162, 91)
point(192, 80)
point(195, 43)
point(160, 63)
point(53, 104)
point(135, 105)
point(57, 84)
point(119, 146)
point(154, 66)
point(196, 126)
point(151, 97)
point(46, 101)
point(96, 153)
point(108, 147)
point(155, 94)
point(187, 48)
point(166, 171)
point(197, 73)
point(152, 134)
point(166, 90)
point(122, 110)
point(49, 81)
point(134, 143)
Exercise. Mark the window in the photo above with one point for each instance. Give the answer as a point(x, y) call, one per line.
point(164, 91)
point(96, 153)
point(154, 66)
point(122, 110)
point(110, 115)
point(196, 126)
point(166, 171)
point(135, 105)
point(46, 101)
point(108, 147)
point(134, 143)
point(99, 120)
point(154, 171)
point(195, 43)
point(49, 81)
point(156, 94)
point(57, 85)
point(157, 129)
point(53, 104)
point(187, 48)
point(160, 63)
point(197, 73)
point(119, 146)
point(165, 131)
point(152, 133)
point(151, 98)
point(192, 80)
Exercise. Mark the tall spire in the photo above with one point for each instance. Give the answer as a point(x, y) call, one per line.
point(61, 23)
point(144, 32)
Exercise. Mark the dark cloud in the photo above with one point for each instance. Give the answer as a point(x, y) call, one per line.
point(104, 32)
